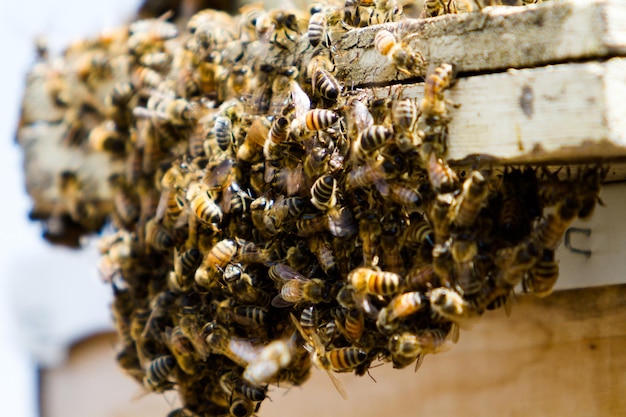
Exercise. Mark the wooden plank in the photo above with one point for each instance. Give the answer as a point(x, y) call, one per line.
point(559, 113)
point(560, 356)
point(495, 39)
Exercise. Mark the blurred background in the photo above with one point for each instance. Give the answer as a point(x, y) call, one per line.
point(57, 349)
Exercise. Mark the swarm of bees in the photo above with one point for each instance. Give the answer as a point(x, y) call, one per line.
point(269, 218)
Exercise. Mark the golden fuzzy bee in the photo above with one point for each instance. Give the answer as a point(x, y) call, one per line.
point(295, 288)
point(466, 206)
point(400, 306)
point(433, 105)
point(319, 119)
point(373, 281)
point(324, 193)
point(157, 372)
point(400, 54)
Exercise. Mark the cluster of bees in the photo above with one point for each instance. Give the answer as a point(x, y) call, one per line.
point(270, 217)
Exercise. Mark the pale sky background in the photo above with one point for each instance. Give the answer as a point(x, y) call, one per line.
point(36, 278)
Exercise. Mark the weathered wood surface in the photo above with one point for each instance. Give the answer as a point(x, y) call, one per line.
point(495, 39)
point(560, 356)
point(558, 113)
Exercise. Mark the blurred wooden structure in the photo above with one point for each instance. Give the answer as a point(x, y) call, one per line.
point(560, 356)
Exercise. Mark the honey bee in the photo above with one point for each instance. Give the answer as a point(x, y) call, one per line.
point(400, 306)
point(323, 82)
point(543, 275)
point(105, 138)
point(248, 150)
point(433, 105)
point(242, 287)
point(433, 8)
point(323, 193)
point(369, 232)
point(419, 233)
point(190, 327)
point(280, 28)
point(241, 407)
point(463, 253)
point(438, 215)
point(277, 134)
point(158, 236)
point(442, 178)
point(373, 172)
point(125, 202)
point(319, 119)
point(317, 30)
point(405, 114)
point(158, 61)
point(247, 315)
point(181, 348)
point(251, 253)
point(295, 288)
point(324, 254)
point(467, 205)
point(514, 262)
point(316, 163)
point(157, 372)
point(452, 306)
point(203, 206)
point(369, 141)
point(406, 60)
point(215, 261)
point(354, 324)
point(550, 230)
point(144, 77)
point(421, 278)
point(223, 131)
point(407, 347)
point(288, 95)
point(311, 225)
point(405, 195)
point(240, 351)
point(185, 265)
point(373, 281)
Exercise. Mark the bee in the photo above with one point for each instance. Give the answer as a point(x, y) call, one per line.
point(419, 233)
point(240, 351)
point(203, 205)
point(223, 131)
point(215, 261)
point(405, 114)
point(158, 61)
point(316, 163)
point(588, 192)
point(404, 195)
point(250, 316)
point(241, 407)
point(317, 30)
point(319, 119)
point(442, 178)
point(467, 205)
point(311, 225)
point(295, 288)
point(421, 278)
point(185, 266)
point(144, 77)
point(190, 327)
point(450, 305)
point(354, 324)
point(157, 372)
point(251, 253)
point(407, 347)
point(373, 172)
point(550, 230)
point(543, 275)
point(105, 138)
point(438, 216)
point(277, 134)
point(280, 27)
point(406, 60)
point(369, 141)
point(369, 232)
point(433, 8)
point(463, 253)
point(288, 97)
point(514, 262)
point(125, 202)
point(324, 254)
point(243, 288)
point(268, 362)
point(239, 81)
point(373, 281)
point(182, 349)
point(157, 236)
point(323, 82)
point(249, 150)
point(324, 193)
point(433, 105)
point(400, 306)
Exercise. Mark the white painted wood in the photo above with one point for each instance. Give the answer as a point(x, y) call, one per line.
point(495, 39)
point(560, 113)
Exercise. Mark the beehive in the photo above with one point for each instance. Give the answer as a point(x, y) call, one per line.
point(258, 233)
